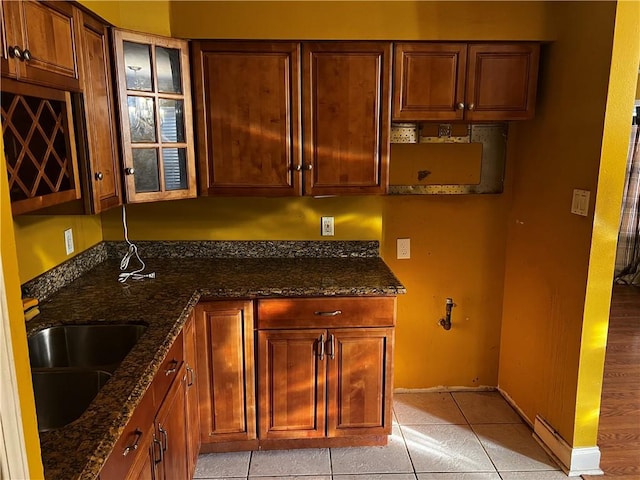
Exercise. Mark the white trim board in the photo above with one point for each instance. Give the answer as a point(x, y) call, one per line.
point(574, 461)
point(13, 455)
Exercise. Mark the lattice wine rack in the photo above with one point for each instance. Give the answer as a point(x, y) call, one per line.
point(39, 148)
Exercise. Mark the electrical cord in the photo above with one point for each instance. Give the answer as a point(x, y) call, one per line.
point(131, 252)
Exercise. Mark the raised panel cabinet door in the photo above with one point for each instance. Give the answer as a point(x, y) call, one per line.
point(291, 383)
point(193, 411)
point(248, 117)
point(429, 81)
point(144, 467)
point(359, 381)
point(226, 375)
point(502, 80)
point(171, 431)
point(99, 141)
point(43, 33)
point(346, 105)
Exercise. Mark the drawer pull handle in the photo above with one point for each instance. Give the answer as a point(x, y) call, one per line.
point(171, 369)
point(332, 347)
point(321, 347)
point(328, 314)
point(127, 450)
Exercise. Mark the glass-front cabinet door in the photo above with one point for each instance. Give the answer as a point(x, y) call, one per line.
point(155, 116)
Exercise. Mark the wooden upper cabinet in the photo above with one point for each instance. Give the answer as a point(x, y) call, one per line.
point(40, 43)
point(458, 81)
point(154, 96)
point(502, 81)
point(98, 139)
point(248, 117)
point(346, 105)
point(429, 81)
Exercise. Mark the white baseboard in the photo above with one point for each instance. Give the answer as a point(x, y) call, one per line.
point(574, 461)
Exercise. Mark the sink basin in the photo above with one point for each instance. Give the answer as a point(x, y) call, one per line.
point(62, 395)
point(99, 347)
point(71, 363)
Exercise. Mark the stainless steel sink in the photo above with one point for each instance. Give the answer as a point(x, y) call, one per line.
point(71, 363)
point(100, 347)
point(62, 395)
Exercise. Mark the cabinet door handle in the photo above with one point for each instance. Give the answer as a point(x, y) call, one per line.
point(171, 369)
point(328, 314)
point(134, 446)
point(26, 55)
point(99, 175)
point(460, 106)
point(321, 347)
point(129, 171)
point(191, 376)
point(472, 106)
point(309, 166)
point(15, 52)
point(332, 347)
point(297, 168)
point(165, 436)
point(153, 452)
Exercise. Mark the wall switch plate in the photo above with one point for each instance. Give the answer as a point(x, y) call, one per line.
point(403, 248)
point(580, 202)
point(68, 241)
point(326, 226)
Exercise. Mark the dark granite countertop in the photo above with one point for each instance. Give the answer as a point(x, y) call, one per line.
point(78, 450)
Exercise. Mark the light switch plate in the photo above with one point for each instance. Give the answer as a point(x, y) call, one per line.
point(580, 202)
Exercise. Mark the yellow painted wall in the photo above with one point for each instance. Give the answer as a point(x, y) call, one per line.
point(9, 265)
point(356, 218)
point(40, 240)
point(151, 16)
point(553, 264)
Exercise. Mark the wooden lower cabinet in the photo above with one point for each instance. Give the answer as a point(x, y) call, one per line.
point(144, 466)
point(191, 394)
point(226, 377)
point(172, 433)
point(331, 384)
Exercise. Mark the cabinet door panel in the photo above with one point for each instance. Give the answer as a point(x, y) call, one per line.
point(46, 30)
point(292, 383)
point(248, 117)
point(99, 142)
point(171, 431)
point(193, 413)
point(225, 374)
point(502, 81)
point(359, 381)
point(429, 81)
point(346, 117)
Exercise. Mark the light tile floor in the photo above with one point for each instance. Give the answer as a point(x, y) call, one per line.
point(436, 436)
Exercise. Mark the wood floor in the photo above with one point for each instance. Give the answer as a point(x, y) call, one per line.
point(619, 432)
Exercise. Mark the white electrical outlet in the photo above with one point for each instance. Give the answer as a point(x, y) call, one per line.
point(326, 226)
point(68, 241)
point(403, 248)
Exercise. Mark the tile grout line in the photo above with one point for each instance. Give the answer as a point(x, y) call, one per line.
point(404, 441)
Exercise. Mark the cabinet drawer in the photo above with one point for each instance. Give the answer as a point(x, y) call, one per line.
point(168, 370)
point(325, 312)
point(129, 446)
